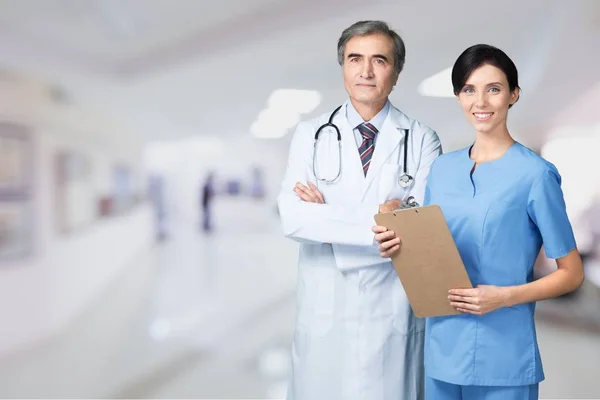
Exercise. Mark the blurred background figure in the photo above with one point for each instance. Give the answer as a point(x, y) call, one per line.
point(257, 188)
point(157, 198)
point(207, 196)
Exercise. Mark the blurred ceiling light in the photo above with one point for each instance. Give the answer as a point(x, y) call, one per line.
point(274, 123)
point(283, 112)
point(282, 117)
point(273, 127)
point(296, 100)
point(266, 131)
point(437, 85)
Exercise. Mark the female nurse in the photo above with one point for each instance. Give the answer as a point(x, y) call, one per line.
point(501, 202)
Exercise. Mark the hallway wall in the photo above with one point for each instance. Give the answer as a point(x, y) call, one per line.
point(65, 272)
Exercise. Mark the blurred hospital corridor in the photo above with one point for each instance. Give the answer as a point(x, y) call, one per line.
point(143, 144)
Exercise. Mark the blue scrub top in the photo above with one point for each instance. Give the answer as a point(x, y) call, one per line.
point(499, 217)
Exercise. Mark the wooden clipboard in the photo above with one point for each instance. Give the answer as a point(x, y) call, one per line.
point(428, 263)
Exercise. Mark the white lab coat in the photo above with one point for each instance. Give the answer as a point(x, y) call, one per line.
point(356, 336)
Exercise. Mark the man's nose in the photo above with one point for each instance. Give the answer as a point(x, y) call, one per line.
point(367, 70)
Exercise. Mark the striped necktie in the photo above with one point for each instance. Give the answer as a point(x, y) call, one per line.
point(365, 150)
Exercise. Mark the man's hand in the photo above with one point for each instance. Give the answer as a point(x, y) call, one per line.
point(389, 206)
point(309, 193)
point(389, 243)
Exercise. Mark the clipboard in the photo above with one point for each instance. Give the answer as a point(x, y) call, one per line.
point(428, 263)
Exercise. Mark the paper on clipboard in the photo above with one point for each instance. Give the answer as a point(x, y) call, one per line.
point(428, 263)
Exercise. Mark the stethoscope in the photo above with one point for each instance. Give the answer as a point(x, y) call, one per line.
point(405, 180)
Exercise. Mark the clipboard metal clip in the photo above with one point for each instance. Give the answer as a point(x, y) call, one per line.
point(410, 202)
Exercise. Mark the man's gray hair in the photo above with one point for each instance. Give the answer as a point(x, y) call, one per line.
point(363, 28)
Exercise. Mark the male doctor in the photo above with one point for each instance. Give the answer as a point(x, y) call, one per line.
point(355, 336)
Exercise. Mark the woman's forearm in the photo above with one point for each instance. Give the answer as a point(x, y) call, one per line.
point(568, 277)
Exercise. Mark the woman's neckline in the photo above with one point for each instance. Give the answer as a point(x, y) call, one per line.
point(503, 155)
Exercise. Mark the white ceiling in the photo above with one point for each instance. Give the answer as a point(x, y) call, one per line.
point(105, 34)
point(174, 68)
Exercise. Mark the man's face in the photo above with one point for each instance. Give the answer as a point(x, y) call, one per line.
point(369, 68)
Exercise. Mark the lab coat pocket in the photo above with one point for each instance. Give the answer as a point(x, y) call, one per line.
point(388, 183)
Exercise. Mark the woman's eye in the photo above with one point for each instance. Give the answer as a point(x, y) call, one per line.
point(494, 90)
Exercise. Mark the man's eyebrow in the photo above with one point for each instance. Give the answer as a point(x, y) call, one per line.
point(380, 56)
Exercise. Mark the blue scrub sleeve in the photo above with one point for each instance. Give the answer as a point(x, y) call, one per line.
point(547, 209)
point(427, 196)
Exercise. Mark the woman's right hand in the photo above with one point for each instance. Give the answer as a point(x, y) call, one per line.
point(389, 243)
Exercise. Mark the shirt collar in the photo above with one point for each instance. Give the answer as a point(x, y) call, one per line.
point(377, 121)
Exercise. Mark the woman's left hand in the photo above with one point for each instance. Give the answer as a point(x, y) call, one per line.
point(480, 300)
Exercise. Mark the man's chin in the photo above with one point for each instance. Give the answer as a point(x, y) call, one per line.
point(367, 100)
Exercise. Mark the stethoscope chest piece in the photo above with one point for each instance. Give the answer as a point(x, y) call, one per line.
point(405, 180)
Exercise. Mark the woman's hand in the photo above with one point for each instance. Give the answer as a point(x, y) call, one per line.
point(389, 243)
point(480, 300)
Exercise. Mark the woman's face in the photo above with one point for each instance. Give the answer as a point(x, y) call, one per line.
point(485, 98)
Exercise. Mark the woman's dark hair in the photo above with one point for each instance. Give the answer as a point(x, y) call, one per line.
point(477, 56)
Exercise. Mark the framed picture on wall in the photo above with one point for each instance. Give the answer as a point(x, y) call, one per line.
point(16, 230)
point(16, 161)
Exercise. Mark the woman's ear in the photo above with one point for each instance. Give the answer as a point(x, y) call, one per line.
point(514, 96)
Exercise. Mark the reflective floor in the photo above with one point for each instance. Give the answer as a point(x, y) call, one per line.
point(212, 317)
